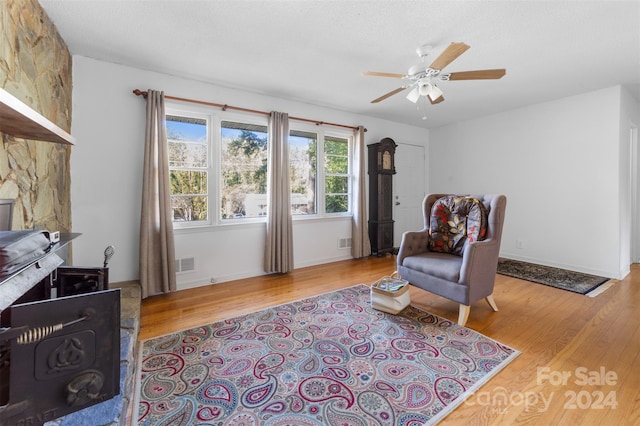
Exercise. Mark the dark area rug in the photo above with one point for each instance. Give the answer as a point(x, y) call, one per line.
point(563, 279)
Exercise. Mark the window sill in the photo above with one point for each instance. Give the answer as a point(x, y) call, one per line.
point(255, 223)
point(327, 218)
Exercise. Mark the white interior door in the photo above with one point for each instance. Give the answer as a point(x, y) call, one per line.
point(409, 187)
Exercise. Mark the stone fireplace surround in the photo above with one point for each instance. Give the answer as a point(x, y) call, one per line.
point(36, 69)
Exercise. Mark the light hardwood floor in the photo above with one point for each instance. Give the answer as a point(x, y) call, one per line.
point(580, 361)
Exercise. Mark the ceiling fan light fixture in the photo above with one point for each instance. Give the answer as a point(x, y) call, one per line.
point(425, 88)
point(434, 92)
point(414, 95)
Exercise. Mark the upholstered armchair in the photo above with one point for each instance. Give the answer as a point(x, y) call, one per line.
point(467, 273)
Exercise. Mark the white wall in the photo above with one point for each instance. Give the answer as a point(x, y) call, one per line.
point(559, 165)
point(629, 119)
point(108, 123)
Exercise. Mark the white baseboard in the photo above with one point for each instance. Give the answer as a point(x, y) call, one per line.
point(201, 282)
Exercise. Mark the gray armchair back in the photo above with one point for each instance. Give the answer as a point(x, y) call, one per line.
point(464, 279)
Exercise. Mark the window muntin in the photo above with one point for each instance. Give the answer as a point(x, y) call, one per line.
point(243, 170)
point(188, 152)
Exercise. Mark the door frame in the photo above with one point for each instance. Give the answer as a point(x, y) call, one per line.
point(398, 181)
point(634, 188)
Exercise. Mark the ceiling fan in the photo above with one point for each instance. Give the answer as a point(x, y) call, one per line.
point(421, 77)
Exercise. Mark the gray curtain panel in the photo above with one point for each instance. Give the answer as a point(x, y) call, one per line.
point(157, 253)
point(279, 239)
point(360, 244)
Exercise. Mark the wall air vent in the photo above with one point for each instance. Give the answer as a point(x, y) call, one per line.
point(188, 264)
point(344, 243)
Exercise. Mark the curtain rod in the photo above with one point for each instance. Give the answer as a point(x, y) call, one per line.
point(225, 107)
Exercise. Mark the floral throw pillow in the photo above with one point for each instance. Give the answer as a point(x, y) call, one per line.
point(456, 221)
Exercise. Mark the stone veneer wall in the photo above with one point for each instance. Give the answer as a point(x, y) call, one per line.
point(35, 67)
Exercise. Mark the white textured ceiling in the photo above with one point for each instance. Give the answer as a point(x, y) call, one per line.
point(315, 51)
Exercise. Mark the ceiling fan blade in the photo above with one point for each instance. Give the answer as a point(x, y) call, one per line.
point(383, 74)
point(437, 101)
point(449, 55)
point(478, 75)
point(385, 96)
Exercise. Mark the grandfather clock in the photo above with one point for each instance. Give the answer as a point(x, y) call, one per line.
point(381, 170)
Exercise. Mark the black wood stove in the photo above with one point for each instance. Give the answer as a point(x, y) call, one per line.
point(59, 339)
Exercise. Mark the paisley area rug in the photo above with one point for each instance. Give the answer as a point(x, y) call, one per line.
point(326, 360)
point(563, 279)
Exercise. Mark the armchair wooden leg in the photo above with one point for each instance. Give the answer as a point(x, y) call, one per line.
point(463, 314)
point(492, 303)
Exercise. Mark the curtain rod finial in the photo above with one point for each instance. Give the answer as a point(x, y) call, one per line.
point(139, 92)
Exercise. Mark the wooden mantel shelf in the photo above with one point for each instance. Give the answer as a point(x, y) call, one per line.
point(19, 120)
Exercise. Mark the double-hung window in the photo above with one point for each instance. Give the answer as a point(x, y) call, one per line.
point(188, 147)
point(243, 170)
point(320, 184)
point(303, 172)
point(337, 175)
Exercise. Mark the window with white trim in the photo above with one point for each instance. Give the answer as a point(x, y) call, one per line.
point(218, 168)
point(303, 171)
point(337, 175)
point(188, 148)
point(320, 184)
point(243, 170)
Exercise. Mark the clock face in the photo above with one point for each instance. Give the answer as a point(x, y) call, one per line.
point(386, 160)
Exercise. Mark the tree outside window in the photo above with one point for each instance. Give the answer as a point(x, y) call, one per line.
point(303, 150)
point(234, 183)
point(188, 167)
point(336, 171)
point(243, 170)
